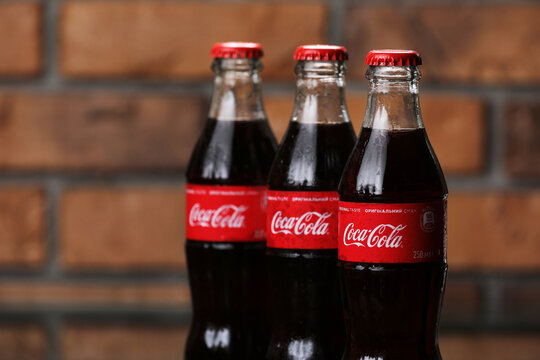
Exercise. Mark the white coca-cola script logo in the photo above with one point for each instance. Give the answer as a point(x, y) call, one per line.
point(226, 216)
point(383, 235)
point(311, 223)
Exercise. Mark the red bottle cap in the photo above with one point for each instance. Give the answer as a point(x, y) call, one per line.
point(393, 58)
point(321, 52)
point(237, 50)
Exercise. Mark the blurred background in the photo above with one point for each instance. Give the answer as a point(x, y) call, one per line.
point(102, 101)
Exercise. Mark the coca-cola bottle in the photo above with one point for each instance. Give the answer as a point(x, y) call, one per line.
point(392, 222)
point(226, 211)
point(304, 301)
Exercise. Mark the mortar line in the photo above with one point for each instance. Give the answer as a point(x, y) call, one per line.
point(50, 55)
point(467, 182)
point(203, 87)
point(21, 1)
point(53, 336)
point(54, 191)
point(179, 276)
point(127, 278)
point(495, 159)
point(83, 178)
point(336, 19)
point(491, 301)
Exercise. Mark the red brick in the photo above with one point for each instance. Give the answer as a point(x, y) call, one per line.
point(457, 130)
point(522, 132)
point(173, 39)
point(23, 342)
point(20, 36)
point(104, 132)
point(34, 294)
point(459, 43)
point(22, 225)
point(455, 125)
point(520, 302)
point(493, 230)
point(136, 342)
point(492, 347)
point(122, 228)
point(462, 301)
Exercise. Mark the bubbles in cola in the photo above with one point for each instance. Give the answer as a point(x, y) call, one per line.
point(225, 213)
point(303, 297)
point(392, 222)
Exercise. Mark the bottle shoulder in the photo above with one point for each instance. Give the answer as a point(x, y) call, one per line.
point(392, 166)
point(311, 157)
point(233, 153)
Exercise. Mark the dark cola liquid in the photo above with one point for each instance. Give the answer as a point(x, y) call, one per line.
point(227, 279)
point(306, 309)
point(392, 310)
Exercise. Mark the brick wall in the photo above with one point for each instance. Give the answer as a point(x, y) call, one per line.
point(100, 104)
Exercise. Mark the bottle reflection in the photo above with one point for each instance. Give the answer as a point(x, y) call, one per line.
point(217, 338)
point(300, 349)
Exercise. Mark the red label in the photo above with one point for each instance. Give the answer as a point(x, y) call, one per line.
point(392, 233)
point(302, 219)
point(225, 213)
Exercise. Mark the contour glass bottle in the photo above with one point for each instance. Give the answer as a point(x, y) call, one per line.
point(304, 300)
point(225, 213)
point(392, 222)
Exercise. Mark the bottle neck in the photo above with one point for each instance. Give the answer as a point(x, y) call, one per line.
point(237, 94)
point(393, 98)
point(320, 92)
